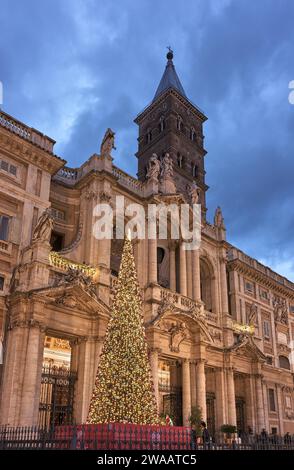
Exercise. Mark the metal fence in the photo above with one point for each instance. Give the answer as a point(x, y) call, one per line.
point(123, 437)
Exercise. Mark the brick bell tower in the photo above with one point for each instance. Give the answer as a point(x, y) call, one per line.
point(172, 124)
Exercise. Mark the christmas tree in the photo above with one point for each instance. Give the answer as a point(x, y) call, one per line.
point(123, 390)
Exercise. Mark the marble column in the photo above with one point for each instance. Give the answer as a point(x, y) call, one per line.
point(260, 424)
point(231, 399)
point(154, 371)
point(250, 401)
point(189, 274)
point(183, 270)
point(265, 399)
point(87, 368)
point(280, 408)
point(196, 275)
point(201, 387)
point(193, 383)
point(32, 375)
point(224, 286)
point(186, 390)
point(152, 267)
point(172, 267)
point(220, 398)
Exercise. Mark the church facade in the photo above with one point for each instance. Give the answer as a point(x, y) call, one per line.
point(219, 324)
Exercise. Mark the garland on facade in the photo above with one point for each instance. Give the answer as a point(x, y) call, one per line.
point(123, 390)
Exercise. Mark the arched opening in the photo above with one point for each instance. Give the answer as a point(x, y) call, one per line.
point(284, 362)
point(148, 136)
point(192, 134)
point(180, 160)
point(194, 170)
point(162, 267)
point(207, 285)
point(162, 124)
point(115, 253)
point(180, 124)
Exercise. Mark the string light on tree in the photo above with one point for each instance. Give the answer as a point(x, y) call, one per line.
point(123, 390)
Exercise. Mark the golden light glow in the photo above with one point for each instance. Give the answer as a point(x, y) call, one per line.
point(243, 328)
point(62, 263)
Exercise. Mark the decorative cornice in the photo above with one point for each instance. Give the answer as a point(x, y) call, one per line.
point(262, 278)
point(26, 149)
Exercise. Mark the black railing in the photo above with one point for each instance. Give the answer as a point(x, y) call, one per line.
point(120, 436)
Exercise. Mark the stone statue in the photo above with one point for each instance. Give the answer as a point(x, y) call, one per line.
point(153, 168)
point(167, 167)
point(252, 315)
point(280, 310)
point(218, 218)
point(194, 193)
point(43, 229)
point(76, 276)
point(178, 334)
point(107, 143)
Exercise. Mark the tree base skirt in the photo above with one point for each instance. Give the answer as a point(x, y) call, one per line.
point(122, 436)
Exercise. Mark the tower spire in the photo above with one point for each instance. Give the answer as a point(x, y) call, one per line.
point(170, 77)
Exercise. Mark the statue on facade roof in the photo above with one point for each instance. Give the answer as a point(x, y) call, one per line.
point(218, 218)
point(153, 168)
point(167, 167)
point(43, 229)
point(107, 143)
point(194, 193)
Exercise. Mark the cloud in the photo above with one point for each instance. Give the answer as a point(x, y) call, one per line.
point(74, 68)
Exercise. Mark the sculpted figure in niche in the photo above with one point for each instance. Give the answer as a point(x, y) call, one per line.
point(252, 315)
point(43, 229)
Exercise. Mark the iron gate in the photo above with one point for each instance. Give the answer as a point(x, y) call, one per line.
point(56, 397)
point(172, 403)
point(210, 407)
point(240, 414)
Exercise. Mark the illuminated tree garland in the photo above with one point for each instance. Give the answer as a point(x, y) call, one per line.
point(123, 390)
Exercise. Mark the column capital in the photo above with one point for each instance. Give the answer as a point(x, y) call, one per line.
point(258, 375)
point(155, 350)
point(32, 323)
point(201, 360)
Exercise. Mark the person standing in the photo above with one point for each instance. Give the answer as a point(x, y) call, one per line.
point(205, 435)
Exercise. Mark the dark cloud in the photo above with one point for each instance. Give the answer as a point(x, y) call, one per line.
point(74, 68)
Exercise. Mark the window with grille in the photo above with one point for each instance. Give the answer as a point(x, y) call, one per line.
point(271, 399)
point(4, 226)
point(266, 329)
point(8, 167)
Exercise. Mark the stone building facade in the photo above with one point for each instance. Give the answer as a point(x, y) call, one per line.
point(219, 324)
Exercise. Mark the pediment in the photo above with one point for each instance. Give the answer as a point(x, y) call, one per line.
point(245, 346)
point(75, 298)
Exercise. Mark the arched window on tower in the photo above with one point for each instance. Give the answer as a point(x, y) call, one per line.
point(180, 124)
point(148, 136)
point(284, 362)
point(194, 170)
point(162, 124)
point(180, 160)
point(193, 134)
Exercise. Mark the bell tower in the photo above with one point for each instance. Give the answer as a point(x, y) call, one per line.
point(172, 124)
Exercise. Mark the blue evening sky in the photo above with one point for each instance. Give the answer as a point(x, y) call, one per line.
point(72, 68)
